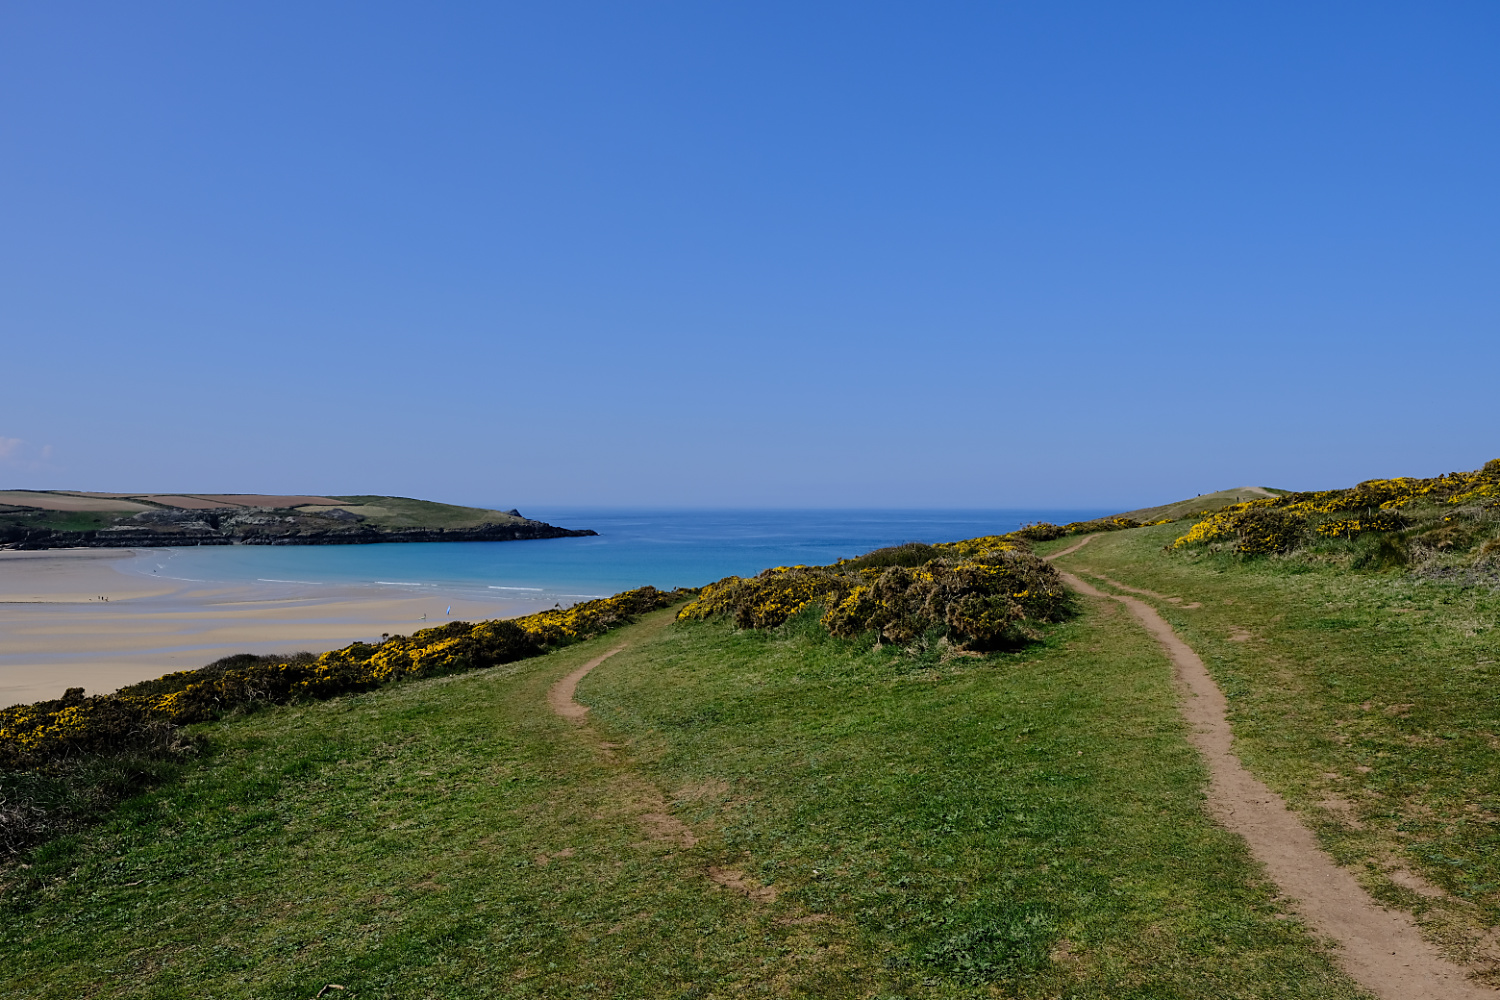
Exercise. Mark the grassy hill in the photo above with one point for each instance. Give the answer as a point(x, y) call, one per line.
point(50, 518)
point(759, 804)
point(864, 822)
point(401, 512)
point(1204, 504)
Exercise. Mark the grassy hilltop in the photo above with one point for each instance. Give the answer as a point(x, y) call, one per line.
point(55, 518)
point(925, 772)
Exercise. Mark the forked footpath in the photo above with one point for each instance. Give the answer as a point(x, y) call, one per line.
point(1380, 948)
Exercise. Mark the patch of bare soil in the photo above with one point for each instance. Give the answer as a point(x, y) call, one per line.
point(659, 824)
point(739, 882)
point(1342, 810)
point(1416, 883)
point(1381, 949)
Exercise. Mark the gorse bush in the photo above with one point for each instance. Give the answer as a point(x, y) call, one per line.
point(979, 594)
point(1045, 531)
point(144, 714)
point(58, 759)
point(1452, 512)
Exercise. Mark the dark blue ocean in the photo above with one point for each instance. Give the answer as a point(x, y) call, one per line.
point(665, 548)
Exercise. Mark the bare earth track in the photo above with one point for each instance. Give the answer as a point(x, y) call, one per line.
point(560, 696)
point(1379, 948)
point(652, 812)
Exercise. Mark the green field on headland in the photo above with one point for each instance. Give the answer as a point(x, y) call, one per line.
point(927, 772)
point(33, 519)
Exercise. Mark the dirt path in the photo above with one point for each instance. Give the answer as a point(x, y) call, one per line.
point(1379, 948)
point(652, 811)
point(560, 696)
point(1071, 548)
point(647, 802)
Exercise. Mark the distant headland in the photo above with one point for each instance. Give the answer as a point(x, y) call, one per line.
point(49, 519)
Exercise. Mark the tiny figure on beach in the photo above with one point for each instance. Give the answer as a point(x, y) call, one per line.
point(424, 618)
point(449, 612)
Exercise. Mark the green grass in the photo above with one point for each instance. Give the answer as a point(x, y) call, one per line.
point(402, 512)
point(1026, 824)
point(379, 512)
point(59, 520)
point(1374, 689)
point(1204, 503)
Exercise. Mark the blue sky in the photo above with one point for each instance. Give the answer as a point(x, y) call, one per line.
point(922, 255)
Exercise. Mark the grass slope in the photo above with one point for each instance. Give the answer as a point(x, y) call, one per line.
point(1369, 700)
point(403, 512)
point(1024, 824)
point(1203, 504)
point(386, 513)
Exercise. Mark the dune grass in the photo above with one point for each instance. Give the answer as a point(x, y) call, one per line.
point(868, 822)
point(1368, 699)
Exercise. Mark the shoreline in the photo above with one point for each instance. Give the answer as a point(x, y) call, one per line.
point(56, 632)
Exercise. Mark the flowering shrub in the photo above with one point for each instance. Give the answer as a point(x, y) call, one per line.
point(980, 592)
point(149, 714)
point(1265, 529)
point(1116, 523)
point(1349, 527)
point(1279, 524)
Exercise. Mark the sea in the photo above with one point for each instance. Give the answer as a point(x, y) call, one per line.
point(664, 548)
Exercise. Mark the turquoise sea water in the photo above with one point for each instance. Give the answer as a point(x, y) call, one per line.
point(634, 547)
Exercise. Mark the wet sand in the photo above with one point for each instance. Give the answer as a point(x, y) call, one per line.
point(57, 633)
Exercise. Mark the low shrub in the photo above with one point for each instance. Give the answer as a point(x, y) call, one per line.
point(1115, 523)
point(1385, 552)
point(980, 593)
point(1043, 531)
point(61, 739)
point(1352, 527)
point(1425, 508)
point(1266, 529)
point(908, 554)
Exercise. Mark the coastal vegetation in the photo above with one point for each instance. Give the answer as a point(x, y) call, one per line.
point(973, 594)
point(924, 771)
point(983, 598)
point(1356, 635)
point(851, 821)
point(64, 760)
point(1444, 526)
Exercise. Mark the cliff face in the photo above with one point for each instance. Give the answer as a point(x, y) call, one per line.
point(288, 531)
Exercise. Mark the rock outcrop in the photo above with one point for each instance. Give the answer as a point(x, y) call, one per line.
point(267, 528)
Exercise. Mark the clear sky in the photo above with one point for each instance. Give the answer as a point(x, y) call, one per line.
point(746, 254)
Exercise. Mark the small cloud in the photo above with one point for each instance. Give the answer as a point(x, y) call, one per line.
point(15, 453)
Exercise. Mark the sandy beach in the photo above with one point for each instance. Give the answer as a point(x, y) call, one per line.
point(71, 618)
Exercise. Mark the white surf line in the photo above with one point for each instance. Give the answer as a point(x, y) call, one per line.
point(1381, 949)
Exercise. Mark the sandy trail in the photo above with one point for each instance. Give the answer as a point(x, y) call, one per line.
point(1379, 948)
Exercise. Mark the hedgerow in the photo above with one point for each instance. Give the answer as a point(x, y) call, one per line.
point(979, 593)
point(66, 738)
